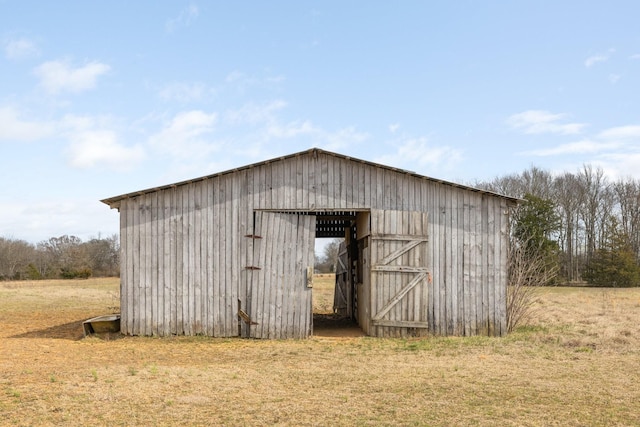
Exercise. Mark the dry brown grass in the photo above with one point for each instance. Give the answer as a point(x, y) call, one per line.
point(323, 285)
point(575, 364)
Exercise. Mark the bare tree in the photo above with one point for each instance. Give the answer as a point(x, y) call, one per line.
point(532, 181)
point(102, 255)
point(627, 196)
point(327, 262)
point(595, 201)
point(15, 256)
point(584, 202)
point(566, 195)
point(528, 271)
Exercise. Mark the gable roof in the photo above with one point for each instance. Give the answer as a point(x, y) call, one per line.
point(114, 201)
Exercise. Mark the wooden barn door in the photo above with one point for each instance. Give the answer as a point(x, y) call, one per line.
point(399, 273)
point(342, 293)
point(280, 303)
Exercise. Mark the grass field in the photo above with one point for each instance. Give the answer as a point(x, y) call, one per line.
point(576, 363)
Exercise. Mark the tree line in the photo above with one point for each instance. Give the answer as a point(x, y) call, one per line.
point(586, 227)
point(64, 257)
point(581, 226)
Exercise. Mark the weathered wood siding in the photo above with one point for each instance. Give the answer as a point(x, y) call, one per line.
point(184, 250)
point(280, 296)
point(400, 275)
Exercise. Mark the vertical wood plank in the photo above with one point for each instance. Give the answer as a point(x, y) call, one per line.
point(196, 255)
point(217, 259)
point(491, 265)
point(439, 299)
point(234, 234)
point(190, 256)
point(449, 273)
point(466, 255)
point(472, 263)
point(485, 283)
point(308, 245)
point(302, 183)
point(253, 290)
point(331, 183)
point(311, 176)
point(243, 243)
point(175, 224)
point(501, 296)
point(138, 303)
point(445, 286)
point(364, 191)
point(346, 184)
point(166, 263)
point(182, 266)
point(131, 256)
point(324, 179)
point(211, 257)
point(156, 250)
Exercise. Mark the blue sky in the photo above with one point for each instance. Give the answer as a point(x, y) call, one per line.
point(103, 98)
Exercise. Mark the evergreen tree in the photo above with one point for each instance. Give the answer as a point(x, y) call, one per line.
point(614, 263)
point(535, 224)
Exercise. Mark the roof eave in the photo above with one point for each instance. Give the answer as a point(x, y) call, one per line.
point(114, 202)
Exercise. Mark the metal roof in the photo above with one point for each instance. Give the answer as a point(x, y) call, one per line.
point(113, 201)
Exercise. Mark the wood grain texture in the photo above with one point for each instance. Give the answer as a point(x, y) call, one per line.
point(185, 254)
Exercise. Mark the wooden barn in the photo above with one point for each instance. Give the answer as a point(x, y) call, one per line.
point(232, 254)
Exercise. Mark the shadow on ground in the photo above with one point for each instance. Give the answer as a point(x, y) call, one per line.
point(324, 325)
point(332, 325)
point(67, 331)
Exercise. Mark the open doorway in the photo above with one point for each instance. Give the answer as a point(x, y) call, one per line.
point(334, 304)
point(326, 253)
point(324, 306)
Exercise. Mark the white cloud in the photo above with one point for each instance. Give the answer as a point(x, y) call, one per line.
point(616, 150)
point(270, 130)
point(291, 130)
point(184, 18)
point(579, 147)
point(613, 78)
point(254, 114)
point(20, 49)
point(635, 56)
point(183, 135)
point(597, 58)
point(394, 127)
point(185, 92)
point(101, 148)
point(540, 121)
point(593, 60)
point(39, 219)
point(241, 82)
point(414, 152)
point(621, 132)
point(94, 144)
point(60, 76)
point(342, 139)
point(621, 165)
point(306, 133)
point(13, 128)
